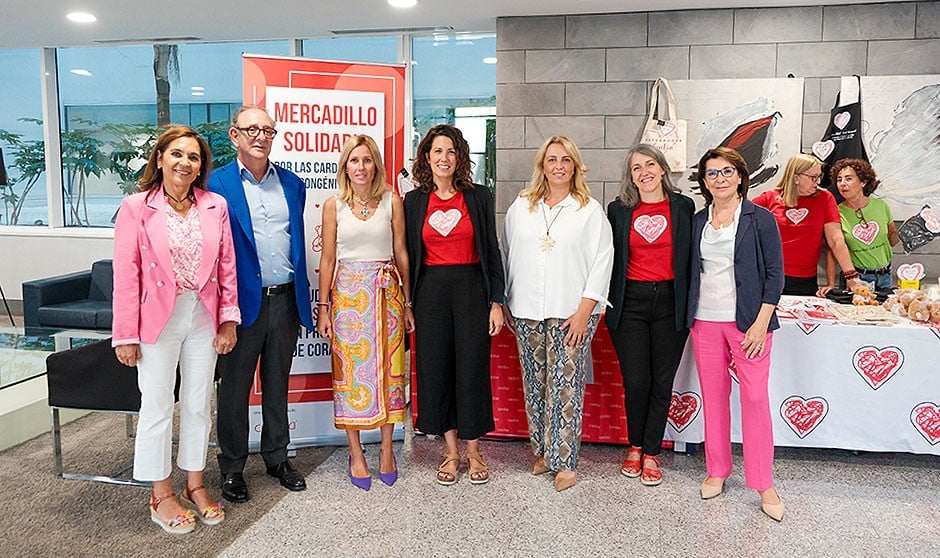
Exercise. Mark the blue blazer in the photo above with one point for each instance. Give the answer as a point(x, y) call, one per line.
point(758, 264)
point(620, 216)
point(228, 183)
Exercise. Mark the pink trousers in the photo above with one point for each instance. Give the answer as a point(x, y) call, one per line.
point(715, 345)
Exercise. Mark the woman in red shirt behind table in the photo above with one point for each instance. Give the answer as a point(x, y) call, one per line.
point(652, 226)
point(458, 288)
point(805, 213)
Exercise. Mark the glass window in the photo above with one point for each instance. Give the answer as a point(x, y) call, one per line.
point(110, 109)
point(23, 176)
point(354, 49)
point(468, 103)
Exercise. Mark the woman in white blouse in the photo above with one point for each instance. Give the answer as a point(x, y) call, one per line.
point(559, 253)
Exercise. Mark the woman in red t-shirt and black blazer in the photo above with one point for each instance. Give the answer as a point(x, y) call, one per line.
point(458, 288)
point(649, 287)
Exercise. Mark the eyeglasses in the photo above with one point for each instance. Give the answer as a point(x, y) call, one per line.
point(712, 174)
point(253, 131)
point(861, 217)
point(813, 177)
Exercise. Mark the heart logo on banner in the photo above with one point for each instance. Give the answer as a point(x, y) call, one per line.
point(866, 232)
point(444, 221)
point(911, 272)
point(841, 120)
point(667, 128)
point(823, 149)
point(877, 366)
point(795, 215)
point(930, 220)
point(926, 419)
point(317, 244)
point(803, 415)
point(683, 409)
point(807, 327)
point(650, 226)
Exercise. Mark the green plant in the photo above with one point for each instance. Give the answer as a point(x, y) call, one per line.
point(29, 159)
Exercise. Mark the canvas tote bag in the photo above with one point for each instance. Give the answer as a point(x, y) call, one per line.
point(665, 131)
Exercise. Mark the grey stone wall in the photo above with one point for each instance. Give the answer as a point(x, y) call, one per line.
point(589, 76)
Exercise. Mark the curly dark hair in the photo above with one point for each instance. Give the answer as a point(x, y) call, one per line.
point(866, 174)
point(421, 168)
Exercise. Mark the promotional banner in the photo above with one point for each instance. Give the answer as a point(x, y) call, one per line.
point(317, 105)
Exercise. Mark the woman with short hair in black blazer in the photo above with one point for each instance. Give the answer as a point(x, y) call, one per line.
point(458, 288)
point(652, 227)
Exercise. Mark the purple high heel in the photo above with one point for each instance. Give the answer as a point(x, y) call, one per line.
point(364, 483)
point(389, 478)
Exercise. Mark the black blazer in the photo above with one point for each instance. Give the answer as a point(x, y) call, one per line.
point(482, 216)
point(621, 219)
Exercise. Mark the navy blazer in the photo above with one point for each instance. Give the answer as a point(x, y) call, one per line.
point(758, 264)
point(482, 216)
point(620, 216)
point(227, 182)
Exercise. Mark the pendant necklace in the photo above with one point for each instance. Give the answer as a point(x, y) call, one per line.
point(177, 203)
point(365, 208)
point(546, 242)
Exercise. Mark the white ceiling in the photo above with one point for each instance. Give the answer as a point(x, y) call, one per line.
point(39, 23)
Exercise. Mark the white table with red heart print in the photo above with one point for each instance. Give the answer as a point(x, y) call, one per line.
point(856, 387)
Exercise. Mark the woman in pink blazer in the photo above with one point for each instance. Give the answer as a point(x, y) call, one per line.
point(175, 305)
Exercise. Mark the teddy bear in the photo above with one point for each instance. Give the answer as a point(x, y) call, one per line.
point(934, 309)
point(918, 310)
point(864, 296)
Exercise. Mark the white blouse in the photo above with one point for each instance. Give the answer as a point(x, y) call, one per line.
point(717, 297)
point(547, 283)
point(364, 240)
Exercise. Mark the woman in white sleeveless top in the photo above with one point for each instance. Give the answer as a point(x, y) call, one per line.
point(363, 307)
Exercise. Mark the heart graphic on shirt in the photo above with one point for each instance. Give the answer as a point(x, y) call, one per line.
point(930, 220)
point(650, 226)
point(926, 419)
point(795, 215)
point(866, 232)
point(911, 272)
point(841, 120)
point(666, 128)
point(683, 409)
point(444, 221)
point(877, 366)
point(823, 149)
point(803, 415)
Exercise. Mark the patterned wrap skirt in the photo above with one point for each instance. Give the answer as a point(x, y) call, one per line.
point(368, 348)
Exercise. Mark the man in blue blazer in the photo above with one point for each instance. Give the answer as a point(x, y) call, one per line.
point(266, 206)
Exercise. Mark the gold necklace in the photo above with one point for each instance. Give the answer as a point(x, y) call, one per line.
point(178, 203)
point(365, 205)
point(546, 242)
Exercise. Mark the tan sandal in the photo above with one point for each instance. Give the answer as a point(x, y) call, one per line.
point(479, 472)
point(180, 524)
point(213, 514)
point(447, 472)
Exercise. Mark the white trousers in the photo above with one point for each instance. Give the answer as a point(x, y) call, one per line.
point(187, 340)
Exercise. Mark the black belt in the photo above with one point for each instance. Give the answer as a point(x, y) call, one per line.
point(879, 271)
point(276, 289)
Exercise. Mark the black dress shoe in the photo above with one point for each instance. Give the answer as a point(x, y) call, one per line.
point(234, 488)
point(290, 478)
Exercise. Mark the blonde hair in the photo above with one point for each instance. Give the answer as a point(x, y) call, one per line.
point(378, 180)
point(798, 164)
point(538, 187)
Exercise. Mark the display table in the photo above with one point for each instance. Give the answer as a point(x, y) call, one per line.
point(832, 385)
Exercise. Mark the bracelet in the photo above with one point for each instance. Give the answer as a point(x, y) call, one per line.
point(323, 304)
point(408, 304)
point(850, 275)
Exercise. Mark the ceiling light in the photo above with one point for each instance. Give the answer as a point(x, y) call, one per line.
point(197, 93)
point(402, 3)
point(197, 88)
point(81, 72)
point(489, 60)
point(81, 17)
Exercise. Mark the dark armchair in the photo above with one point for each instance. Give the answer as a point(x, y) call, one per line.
point(79, 300)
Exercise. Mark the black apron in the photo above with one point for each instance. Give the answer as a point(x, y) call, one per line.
point(843, 139)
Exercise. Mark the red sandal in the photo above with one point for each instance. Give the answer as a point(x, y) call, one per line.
point(213, 514)
point(651, 476)
point(180, 524)
point(631, 465)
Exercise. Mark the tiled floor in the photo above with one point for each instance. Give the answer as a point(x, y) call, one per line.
point(838, 504)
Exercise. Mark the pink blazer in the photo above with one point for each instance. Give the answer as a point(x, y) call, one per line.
point(144, 281)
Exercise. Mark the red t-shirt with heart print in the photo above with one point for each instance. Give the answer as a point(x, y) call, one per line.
point(650, 243)
point(448, 232)
point(801, 228)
